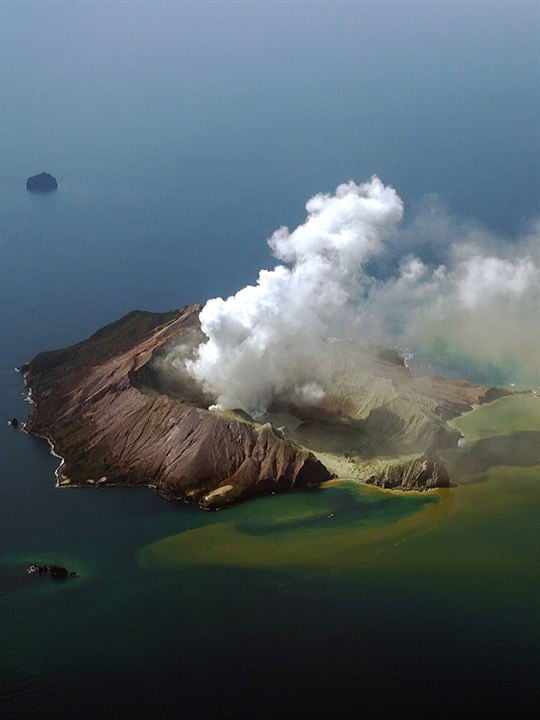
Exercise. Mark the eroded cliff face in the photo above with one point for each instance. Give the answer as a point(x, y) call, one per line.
point(421, 473)
point(91, 406)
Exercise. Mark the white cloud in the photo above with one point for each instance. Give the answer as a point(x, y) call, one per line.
point(268, 340)
point(482, 279)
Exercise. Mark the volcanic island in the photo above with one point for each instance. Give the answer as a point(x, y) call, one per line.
point(114, 418)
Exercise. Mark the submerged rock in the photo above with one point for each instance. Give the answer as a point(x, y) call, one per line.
point(13, 422)
point(44, 182)
point(56, 571)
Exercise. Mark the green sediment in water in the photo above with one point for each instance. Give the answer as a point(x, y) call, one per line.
point(487, 527)
point(507, 415)
point(310, 529)
point(505, 434)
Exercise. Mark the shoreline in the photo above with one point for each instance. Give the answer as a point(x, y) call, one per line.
point(477, 406)
point(88, 484)
point(29, 399)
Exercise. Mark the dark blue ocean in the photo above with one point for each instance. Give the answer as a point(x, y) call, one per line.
point(182, 135)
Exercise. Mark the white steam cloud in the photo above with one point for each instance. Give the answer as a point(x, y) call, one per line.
point(268, 340)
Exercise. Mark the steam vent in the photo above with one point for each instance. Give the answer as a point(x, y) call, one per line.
point(44, 182)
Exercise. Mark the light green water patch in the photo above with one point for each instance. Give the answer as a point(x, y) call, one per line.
point(473, 547)
point(477, 551)
point(305, 529)
point(512, 414)
point(505, 433)
point(487, 527)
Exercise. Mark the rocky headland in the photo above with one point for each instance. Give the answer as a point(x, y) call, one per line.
point(114, 417)
point(92, 404)
point(421, 473)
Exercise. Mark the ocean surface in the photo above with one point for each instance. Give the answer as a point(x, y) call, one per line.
point(181, 138)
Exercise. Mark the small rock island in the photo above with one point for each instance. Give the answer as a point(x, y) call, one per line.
point(57, 572)
point(42, 183)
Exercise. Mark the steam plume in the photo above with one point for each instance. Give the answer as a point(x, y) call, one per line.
point(268, 340)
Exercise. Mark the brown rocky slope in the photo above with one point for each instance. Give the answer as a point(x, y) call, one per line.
point(108, 431)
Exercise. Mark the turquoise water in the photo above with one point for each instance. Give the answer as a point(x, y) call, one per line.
point(182, 135)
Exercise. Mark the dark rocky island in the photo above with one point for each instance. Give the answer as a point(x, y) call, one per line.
point(42, 183)
point(114, 418)
point(56, 572)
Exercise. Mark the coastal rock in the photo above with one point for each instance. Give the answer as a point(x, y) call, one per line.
point(420, 473)
point(57, 572)
point(13, 422)
point(44, 182)
point(92, 404)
